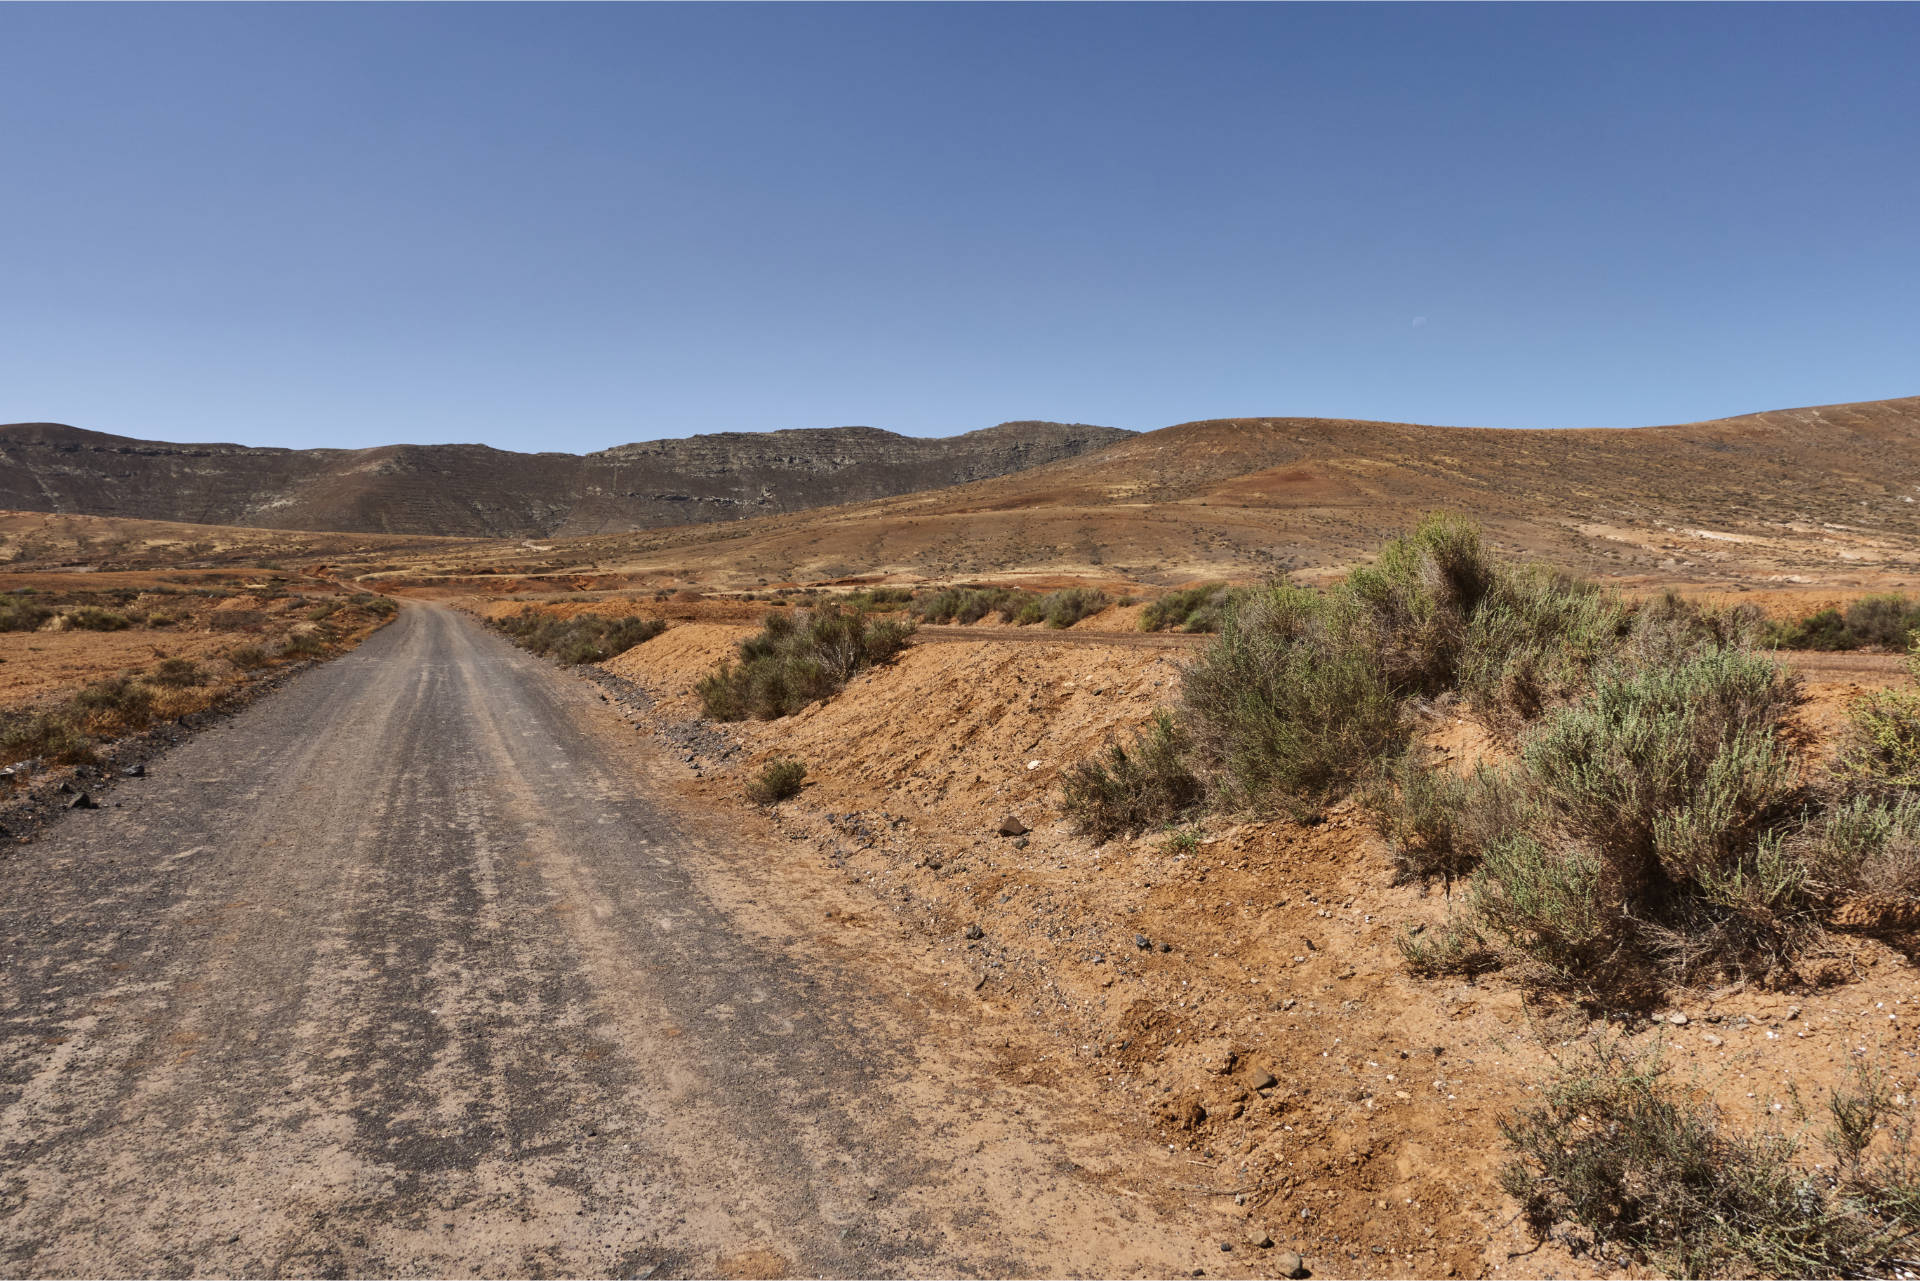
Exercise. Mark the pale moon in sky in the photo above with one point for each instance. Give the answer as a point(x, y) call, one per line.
point(1419, 322)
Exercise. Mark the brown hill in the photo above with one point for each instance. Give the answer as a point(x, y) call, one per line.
point(477, 491)
point(1822, 494)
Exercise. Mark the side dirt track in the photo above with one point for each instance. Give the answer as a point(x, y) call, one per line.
point(413, 968)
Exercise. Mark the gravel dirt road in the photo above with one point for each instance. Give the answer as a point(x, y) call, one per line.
point(408, 970)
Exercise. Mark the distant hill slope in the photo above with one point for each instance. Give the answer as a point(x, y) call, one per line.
point(478, 491)
point(1819, 491)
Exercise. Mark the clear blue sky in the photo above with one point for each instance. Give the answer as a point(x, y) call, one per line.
point(566, 227)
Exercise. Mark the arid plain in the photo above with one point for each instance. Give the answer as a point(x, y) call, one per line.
point(1196, 1048)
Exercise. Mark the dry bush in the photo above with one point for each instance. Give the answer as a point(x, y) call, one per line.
point(584, 638)
point(797, 659)
point(91, 618)
point(1191, 609)
point(1661, 1180)
point(779, 780)
point(1066, 607)
point(967, 605)
point(1133, 787)
point(22, 616)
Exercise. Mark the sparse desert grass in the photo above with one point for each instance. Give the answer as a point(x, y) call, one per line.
point(583, 638)
point(1662, 1180)
point(779, 780)
point(799, 658)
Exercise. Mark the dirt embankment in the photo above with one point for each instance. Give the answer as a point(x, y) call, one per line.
point(1233, 989)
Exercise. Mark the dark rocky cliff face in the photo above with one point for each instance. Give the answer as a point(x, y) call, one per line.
point(474, 490)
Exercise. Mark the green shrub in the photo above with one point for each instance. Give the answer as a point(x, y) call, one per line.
point(91, 618)
point(778, 781)
point(1642, 827)
point(1287, 704)
point(967, 605)
point(1415, 602)
point(22, 616)
point(1066, 607)
point(879, 600)
point(1863, 845)
point(797, 659)
point(583, 638)
point(178, 673)
point(1191, 609)
point(1132, 788)
point(1885, 622)
point(1881, 748)
point(1662, 1181)
point(1534, 640)
point(1418, 810)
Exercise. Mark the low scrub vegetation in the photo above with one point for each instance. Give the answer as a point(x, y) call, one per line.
point(69, 732)
point(91, 618)
point(1643, 828)
point(799, 658)
point(1656, 819)
point(779, 780)
point(971, 604)
point(1872, 622)
point(1881, 750)
point(22, 616)
point(178, 673)
point(583, 638)
point(966, 605)
point(1662, 1180)
point(1133, 787)
point(878, 600)
point(1191, 609)
point(1068, 606)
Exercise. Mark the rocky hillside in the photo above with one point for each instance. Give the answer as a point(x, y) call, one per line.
point(474, 490)
point(1822, 494)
